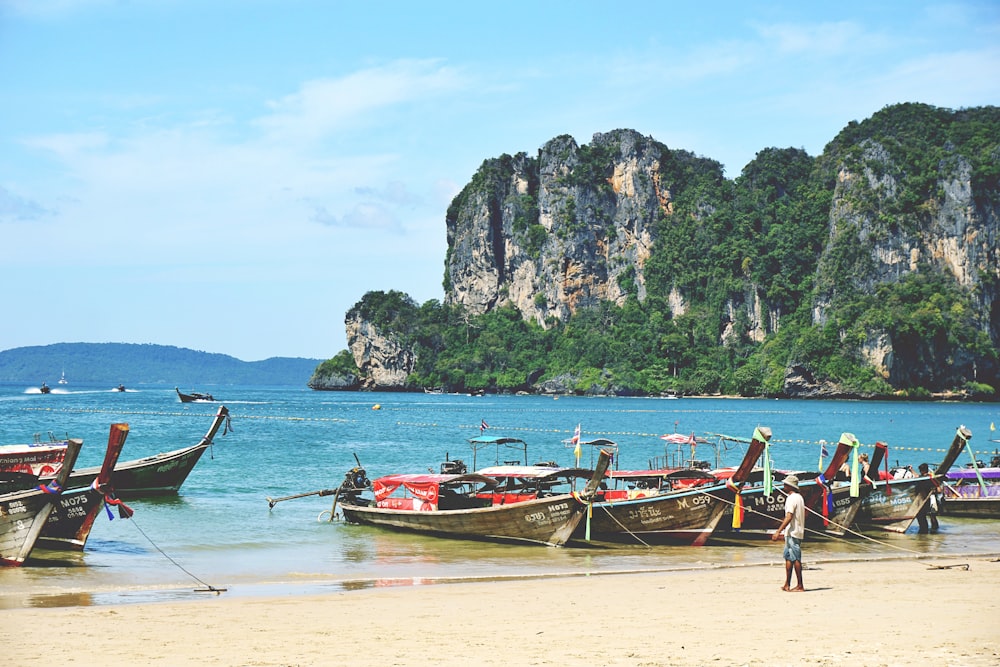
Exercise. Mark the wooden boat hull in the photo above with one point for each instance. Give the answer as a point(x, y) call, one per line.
point(679, 517)
point(162, 474)
point(194, 398)
point(986, 507)
point(763, 514)
point(548, 521)
point(892, 505)
point(23, 514)
point(962, 495)
point(71, 520)
point(687, 516)
point(73, 516)
point(894, 510)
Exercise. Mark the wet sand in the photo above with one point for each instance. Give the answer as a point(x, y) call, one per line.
point(853, 612)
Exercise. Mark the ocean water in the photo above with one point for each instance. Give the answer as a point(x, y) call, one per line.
point(220, 533)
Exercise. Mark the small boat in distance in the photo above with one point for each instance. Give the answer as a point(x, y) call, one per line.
point(63, 379)
point(194, 397)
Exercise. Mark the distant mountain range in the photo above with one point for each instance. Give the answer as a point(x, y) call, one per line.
point(137, 364)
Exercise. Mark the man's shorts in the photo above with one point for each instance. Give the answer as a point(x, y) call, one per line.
point(793, 548)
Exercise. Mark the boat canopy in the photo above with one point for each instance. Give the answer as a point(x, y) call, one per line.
point(535, 472)
point(426, 486)
point(495, 440)
point(483, 441)
point(665, 473)
point(970, 473)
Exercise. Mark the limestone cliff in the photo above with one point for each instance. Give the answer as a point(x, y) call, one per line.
point(560, 232)
point(625, 217)
point(384, 362)
point(880, 239)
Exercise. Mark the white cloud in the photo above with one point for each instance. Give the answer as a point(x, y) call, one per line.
point(325, 106)
point(822, 39)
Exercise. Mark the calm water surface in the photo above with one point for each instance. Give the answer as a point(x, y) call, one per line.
point(219, 532)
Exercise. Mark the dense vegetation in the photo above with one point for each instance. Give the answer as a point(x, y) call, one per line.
point(766, 234)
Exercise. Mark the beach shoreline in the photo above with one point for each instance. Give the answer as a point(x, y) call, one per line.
point(884, 611)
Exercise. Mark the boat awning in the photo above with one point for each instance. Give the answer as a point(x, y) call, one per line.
point(426, 486)
point(535, 472)
point(495, 440)
point(969, 473)
point(666, 473)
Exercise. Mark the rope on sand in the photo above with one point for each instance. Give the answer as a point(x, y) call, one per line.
point(846, 530)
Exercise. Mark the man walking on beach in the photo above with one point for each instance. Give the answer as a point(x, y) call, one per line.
point(795, 523)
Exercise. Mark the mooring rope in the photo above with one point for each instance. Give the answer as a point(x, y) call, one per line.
point(828, 535)
point(622, 526)
point(208, 588)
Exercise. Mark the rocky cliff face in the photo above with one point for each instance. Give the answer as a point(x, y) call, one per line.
point(384, 363)
point(576, 226)
point(559, 233)
point(953, 233)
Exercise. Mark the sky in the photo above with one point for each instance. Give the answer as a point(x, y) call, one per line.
point(232, 176)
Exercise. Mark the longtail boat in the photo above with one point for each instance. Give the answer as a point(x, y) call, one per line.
point(73, 514)
point(893, 504)
point(464, 506)
point(687, 516)
point(23, 513)
point(161, 474)
point(22, 465)
point(972, 492)
point(194, 397)
point(830, 509)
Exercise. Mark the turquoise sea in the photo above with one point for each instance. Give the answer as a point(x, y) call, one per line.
point(220, 533)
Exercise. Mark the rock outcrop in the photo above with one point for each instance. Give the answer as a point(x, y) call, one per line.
point(565, 231)
point(384, 363)
point(956, 234)
point(577, 225)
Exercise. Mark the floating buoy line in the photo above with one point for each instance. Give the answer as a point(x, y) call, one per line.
point(637, 434)
point(153, 413)
point(495, 427)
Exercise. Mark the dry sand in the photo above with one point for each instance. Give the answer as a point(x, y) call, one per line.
point(886, 612)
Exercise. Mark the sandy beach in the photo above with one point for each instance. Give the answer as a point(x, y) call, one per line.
point(859, 612)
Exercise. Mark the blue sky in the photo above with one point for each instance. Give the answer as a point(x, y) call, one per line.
point(232, 176)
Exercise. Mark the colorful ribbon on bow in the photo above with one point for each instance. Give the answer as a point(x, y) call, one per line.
point(855, 464)
point(826, 506)
point(737, 504)
point(124, 511)
point(52, 488)
point(768, 479)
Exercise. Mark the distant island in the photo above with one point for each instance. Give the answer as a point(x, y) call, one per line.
point(146, 364)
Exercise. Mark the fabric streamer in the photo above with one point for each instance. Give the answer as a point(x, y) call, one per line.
point(855, 469)
point(975, 466)
point(768, 481)
point(737, 504)
point(52, 488)
point(124, 511)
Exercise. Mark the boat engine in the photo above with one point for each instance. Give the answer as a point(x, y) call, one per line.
point(355, 482)
point(456, 467)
